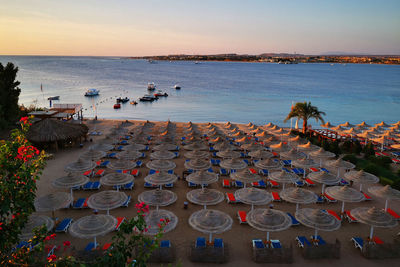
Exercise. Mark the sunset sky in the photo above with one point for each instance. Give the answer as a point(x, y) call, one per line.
point(151, 27)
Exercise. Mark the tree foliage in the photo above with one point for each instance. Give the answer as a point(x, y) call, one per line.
point(305, 111)
point(20, 166)
point(9, 94)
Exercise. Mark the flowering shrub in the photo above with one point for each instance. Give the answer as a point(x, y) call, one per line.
point(20, 166)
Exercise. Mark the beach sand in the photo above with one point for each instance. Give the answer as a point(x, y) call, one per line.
point(239, 237)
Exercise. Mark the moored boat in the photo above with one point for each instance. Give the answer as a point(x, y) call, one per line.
point(117, 106)
point(53, 97)
point(92, 92)
point(177, 87)
point(148, 98)
point(160, 93)
point(151, 86)
point(122, 100)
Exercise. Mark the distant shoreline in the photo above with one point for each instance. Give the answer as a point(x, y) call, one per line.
point(280, 58)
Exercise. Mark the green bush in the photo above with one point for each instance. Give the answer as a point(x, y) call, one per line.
point(352, 158)
point(346, 146)
point(334, 147)
point(369, 150)
point(386, 181)
point(381, 161)
point(396, 184)
point(356, 148)
point(372, 168)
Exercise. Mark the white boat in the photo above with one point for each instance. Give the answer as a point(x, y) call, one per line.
point(148, 98)
point(92, 92)
point(151, 86)
point(177, 86)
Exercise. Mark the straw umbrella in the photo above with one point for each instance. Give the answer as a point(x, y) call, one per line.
point(363, 124)
point(385, 192)
point(260, 154)
point(382, 124)
point(107, 200)
point(327, 125)
point(269, 125)
point(253, 196)
point(52, 202)
point(224, 146)
point(228, 154)
point(283, 177)
point(197, 154)
point(339, 164)
point(307, 147)
point(162, 154)
point(93, 226)
point(102, 147)
point(344, 194)
point(324, 178)
point(293, 154)
point(317, 219)
point(205, 196)
point(122, 165)
point(135, 146)
point(298, 196)
point(196, 146)
point(210, 222)
point(161, 178)
point(361, 177)
point(154, 217)
point(281, 147)
point(268, 220)
point(245, 176)
point(202, 177)
point(347, 124)
point(80, 166)
point(321, 154)
point(161, 165)
point(198, 164)
point(268, 164)
point(116, 179)
point(234, 164)
point(158, 197)
point(165, 146)
point(252, 147)
point(70, 181)
point(374, 217)
point(92, 154)
point(129, 155)
point(305, 164)
point(33, 222)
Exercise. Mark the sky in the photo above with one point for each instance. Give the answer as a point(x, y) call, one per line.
point(162, 27)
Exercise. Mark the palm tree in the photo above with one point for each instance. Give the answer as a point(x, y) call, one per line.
point(305, 111)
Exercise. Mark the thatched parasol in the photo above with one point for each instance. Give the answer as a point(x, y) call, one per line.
point(92, 226)
point(268, 164)
point(298, 196)
point(50, 130)
point(205, 196)
point(197, 154)
point(269, 220)
point(35, 221)
point(116, 179)
point(245, 176)
point(317, 219)
point(70, 181)
point(228, 154)
point(345, 194)
point(210, 221)
point(162, 154)
point(107, 200)
point(122, 165)
point(129, 155)
point(158, 197)
point(293, 154)
point(161, 165)
point(253, 196)
point(235, 164)
point(324, 178)
point(160, 178)
point(373, 217)
point(93, 154)
point(281, 147)
point(197, 164)
point(202, 177)
point(154, 217)
point(260, 154)
point(283, 177)
point(361, 177)
point(80, 166)
point(385, 192)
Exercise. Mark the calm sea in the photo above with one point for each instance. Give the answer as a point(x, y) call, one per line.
point(213, 91)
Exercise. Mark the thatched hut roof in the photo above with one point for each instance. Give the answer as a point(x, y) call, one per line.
point(49, 130)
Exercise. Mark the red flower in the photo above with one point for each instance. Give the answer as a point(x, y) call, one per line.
point(67, 243)
point(51, 258)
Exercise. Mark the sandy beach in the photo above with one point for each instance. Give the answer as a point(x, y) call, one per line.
point(240, 236)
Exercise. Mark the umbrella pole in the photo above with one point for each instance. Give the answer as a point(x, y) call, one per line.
point(386, 204)
point(252, 206)
point(360, 187)
point(304, 173)
point(210, 237)
point(315, 233)
point(297, 207)
point(323, 189)
point(72, 197)
point(108, 212)
point(267, 237)
point(205, 207)
point(283, 186)
point(341, 214)
point(95, 243)
point(371, 233)
point(320, 162)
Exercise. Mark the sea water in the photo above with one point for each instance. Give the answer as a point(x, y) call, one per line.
point(212, 91)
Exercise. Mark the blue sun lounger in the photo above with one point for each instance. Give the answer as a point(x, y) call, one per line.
point(358, 242)
point(165, 244)
point(87, 186)
point(126, 204)
point(79, 203)
point(63, 225)
point(302, 241)
point(264, 172)
point(287, 162)
point(275, 243)
point(319, 239)
point(139, 163)
point(104, 163)
point(223, 171)
point(298, 171)
point(112, 155)
point(258, 243)
point(90, 247)
point(218, 243)
point(295, 222)
point(200, 242)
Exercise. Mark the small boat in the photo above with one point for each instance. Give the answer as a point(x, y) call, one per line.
point(53, 97)
point(177, 87)
point(151, 86)
point(117, 106)
point(122, 100)
point(160, 93)
point(133, 102)
point(92, 92)
point(196, 62)
point(148, 98)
